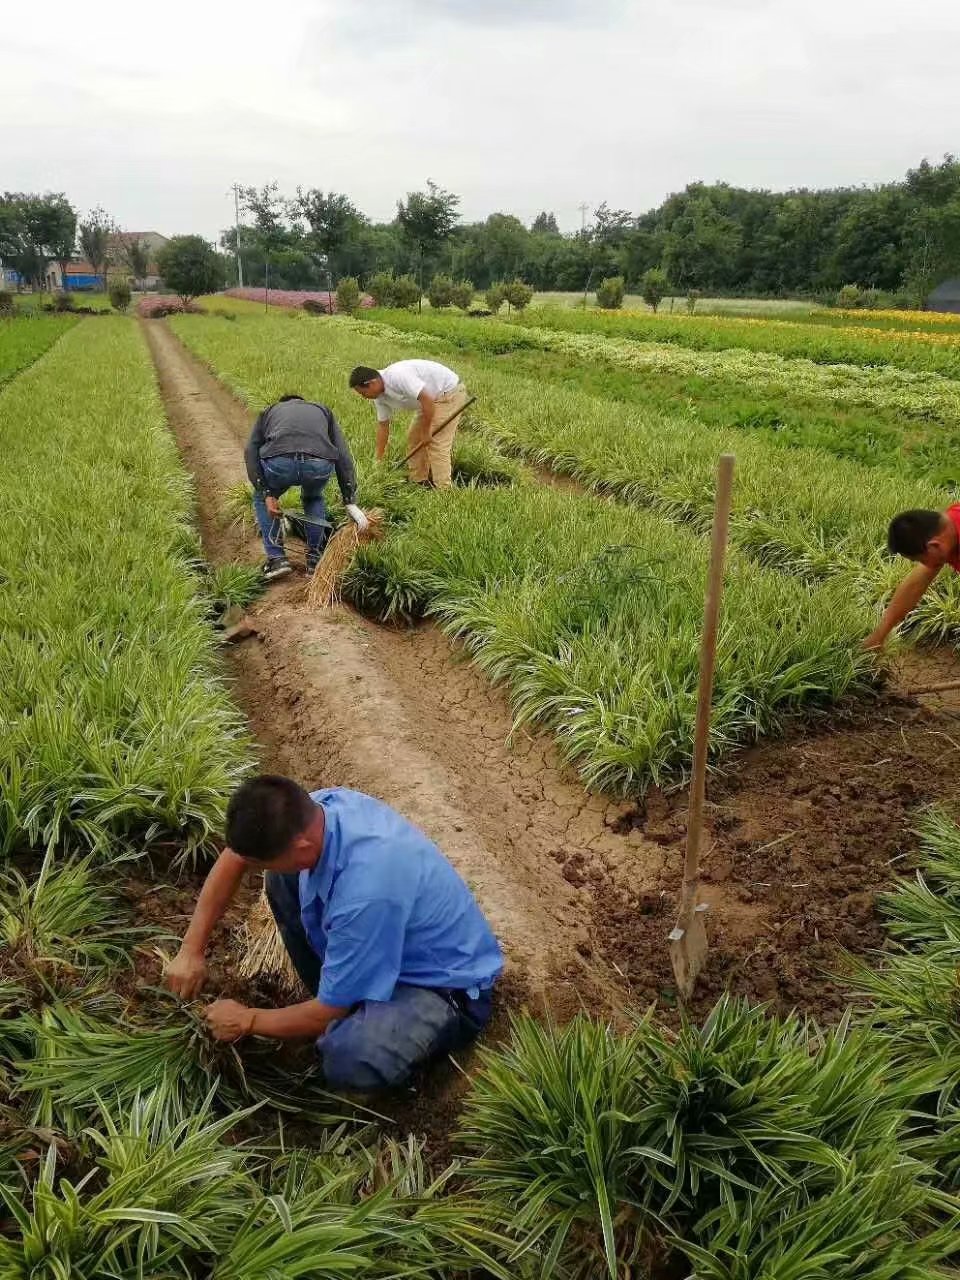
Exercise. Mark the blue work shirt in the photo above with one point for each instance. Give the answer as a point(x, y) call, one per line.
point(383, 906)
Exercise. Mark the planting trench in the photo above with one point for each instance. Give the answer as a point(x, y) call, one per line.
point(801, 832)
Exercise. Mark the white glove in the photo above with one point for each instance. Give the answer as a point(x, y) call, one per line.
point(357, 516)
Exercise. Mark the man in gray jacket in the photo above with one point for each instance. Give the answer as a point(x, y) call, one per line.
point(297, 442)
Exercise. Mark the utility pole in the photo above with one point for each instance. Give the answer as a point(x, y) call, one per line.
point(583, 216)
point(236, 208)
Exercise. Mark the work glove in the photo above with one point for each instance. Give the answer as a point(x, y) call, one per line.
point(357, 516)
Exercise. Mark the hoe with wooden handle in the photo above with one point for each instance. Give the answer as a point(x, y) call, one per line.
point(688, 941)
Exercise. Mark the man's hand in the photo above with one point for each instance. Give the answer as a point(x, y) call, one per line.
point(229, 1020)
point(875, 640)
point(357, 516)
point(273, 505)
point(186, 973)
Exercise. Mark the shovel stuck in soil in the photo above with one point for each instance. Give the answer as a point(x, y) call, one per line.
point(688, 941)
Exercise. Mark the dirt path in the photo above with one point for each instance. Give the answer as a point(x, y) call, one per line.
point(803, 832)
point(335, 699)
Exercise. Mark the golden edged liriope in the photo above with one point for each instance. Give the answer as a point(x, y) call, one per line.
point(114, 724)
point(588, 611)
point(934, 352)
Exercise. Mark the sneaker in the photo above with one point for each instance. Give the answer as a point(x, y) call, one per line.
point(276, 567)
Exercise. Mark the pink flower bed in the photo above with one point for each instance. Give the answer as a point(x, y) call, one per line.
point(293, 298)
point(156, 305)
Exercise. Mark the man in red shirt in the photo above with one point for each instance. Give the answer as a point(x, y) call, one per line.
point(930, 539)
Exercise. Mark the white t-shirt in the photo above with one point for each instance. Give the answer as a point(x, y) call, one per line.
point(403, 382)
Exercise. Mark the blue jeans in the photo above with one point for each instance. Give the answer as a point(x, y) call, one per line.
point(380, 1042)
point(280, 474)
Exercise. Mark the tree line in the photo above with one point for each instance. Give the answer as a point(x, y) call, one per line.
point(901, 237)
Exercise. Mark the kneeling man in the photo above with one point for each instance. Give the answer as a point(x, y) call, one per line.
point(379, 926)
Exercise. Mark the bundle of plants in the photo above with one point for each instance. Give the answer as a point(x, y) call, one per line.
point(81, 1058)
point(601, 1148)
point(927, 909)
point(371, 1213)
point(158, 1199)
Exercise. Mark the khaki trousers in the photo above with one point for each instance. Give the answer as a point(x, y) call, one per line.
point(433, 461)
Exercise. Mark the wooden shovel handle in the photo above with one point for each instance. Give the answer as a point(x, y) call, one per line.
point(708, 655)
point(436, 431)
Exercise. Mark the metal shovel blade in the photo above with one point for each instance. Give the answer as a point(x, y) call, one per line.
point(688, 950)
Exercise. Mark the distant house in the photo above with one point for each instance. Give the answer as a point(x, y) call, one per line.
point(945, 297)
point(80, 274)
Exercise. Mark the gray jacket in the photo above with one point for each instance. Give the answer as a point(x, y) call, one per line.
point(300, 426)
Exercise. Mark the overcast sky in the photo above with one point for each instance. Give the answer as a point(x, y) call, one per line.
point(153, 111)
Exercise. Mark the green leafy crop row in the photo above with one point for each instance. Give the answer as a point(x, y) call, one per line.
point(114, 724)
point(24, 339)
point(587, 611)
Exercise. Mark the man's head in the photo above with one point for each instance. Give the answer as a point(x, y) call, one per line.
point(289, 396)
point(273, 823)
point(366, 382)
point(926, 537)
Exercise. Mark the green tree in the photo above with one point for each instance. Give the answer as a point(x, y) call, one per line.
point(518, 294)
point(425, 220)
point(406, 292)
point(348, 295)
point(382, 288)
point(118, 291)
point(137, 257)
point(654, 286)
point(701, 247)
point(35, 229)
point(610, 293)
point(95, 235)
point(462, 294)
point(495, 297)
point(333, 222)
point(440, 291)
point(545, 224)
point(190, 267)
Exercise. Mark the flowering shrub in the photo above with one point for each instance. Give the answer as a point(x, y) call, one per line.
point(156, 305)
point(319, 300)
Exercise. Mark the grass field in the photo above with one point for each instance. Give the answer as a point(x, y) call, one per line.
point(738, 1142)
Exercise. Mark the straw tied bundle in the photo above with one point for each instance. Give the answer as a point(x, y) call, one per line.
point(327, 581)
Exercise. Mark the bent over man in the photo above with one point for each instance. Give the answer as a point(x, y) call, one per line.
point(297, 442)
point(397, 956)
point(431, 390)
point(931, 539)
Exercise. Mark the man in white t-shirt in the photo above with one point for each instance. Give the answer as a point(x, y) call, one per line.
point(431, 390)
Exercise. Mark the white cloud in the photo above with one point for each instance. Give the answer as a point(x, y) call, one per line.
point(515, 105)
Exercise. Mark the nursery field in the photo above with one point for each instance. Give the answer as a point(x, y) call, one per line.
point(515, 669)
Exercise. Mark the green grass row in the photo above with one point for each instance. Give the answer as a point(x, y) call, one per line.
point(800, 511)
point(114, 722)
point(24, 339)
point(927, 352)
point(885, 417)
point(748, 1147)
point(587, 611)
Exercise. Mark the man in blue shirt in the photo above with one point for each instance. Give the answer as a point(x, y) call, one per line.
point(379, 926)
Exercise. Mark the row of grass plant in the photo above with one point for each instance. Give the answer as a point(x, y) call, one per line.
point(115, 726)
point(24, 339)
point(883, 417)
point(754, 1147)
point(586, 610)
point(801, 511)
point(886, 318)
point(919, 350)
point(123, 1153)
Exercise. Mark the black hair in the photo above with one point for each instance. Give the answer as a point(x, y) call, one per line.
point(289, 397)
point(910, 532)
point(265, 815)
point(362, 375)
